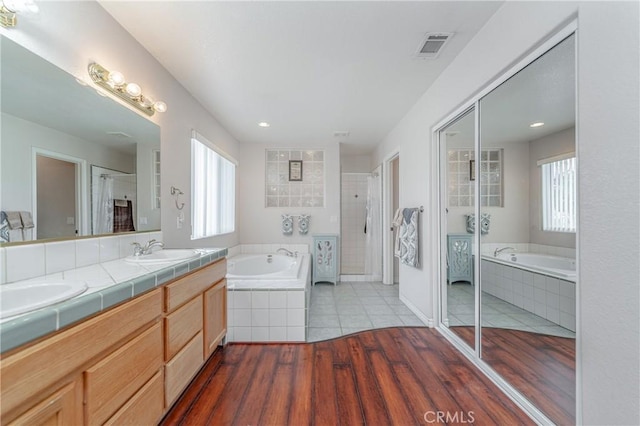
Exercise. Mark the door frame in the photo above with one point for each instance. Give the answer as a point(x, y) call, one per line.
point(82, 216)
point(387, 216)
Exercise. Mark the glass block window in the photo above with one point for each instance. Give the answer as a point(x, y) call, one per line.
point(280, 191)
point(559, 195)
point(462, 173)
point(155, 158)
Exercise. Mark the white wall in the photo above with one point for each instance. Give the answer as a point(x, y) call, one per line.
point(356, 163)
point(73, 34)
point(558, 143)
point(16, 170)
point(261, 225)
point(609, 302)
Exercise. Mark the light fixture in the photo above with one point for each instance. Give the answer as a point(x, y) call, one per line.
point(115, 83)
point(536, 124)
point(264, 124)
point(10, 8)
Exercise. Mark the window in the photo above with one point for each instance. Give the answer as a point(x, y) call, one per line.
point(461, 176)
point(156, 178)
point(213, 187)
point(559, 193)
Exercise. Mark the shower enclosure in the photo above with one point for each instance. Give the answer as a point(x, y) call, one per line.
point(361, 239)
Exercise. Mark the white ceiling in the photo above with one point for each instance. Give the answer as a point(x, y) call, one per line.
point(309, 68)
point(544, 91)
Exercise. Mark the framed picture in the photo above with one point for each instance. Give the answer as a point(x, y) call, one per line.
point(472, 169)
point(295, 170)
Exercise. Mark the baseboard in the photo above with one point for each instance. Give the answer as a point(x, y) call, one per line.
point(427, 321)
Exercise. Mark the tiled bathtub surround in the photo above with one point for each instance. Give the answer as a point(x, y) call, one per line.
point(23, 262)
point(271, 315)
point(548, 297)
point(269, 310)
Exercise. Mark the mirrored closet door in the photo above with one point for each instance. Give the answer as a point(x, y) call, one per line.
point(457, 145)
point(508, 189)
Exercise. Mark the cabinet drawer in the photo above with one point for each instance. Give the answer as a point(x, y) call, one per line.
point(179, 371)
point(29, 371)
point(115, 379)
point(146, 406)
point(185, 289)
point(182, 325)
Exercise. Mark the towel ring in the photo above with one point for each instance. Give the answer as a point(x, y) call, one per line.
point(177, 193)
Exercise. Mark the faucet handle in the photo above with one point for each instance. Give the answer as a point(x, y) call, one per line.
point(137, 249)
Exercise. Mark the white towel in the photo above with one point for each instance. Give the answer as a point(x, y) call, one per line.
point(120, 203)
point(27, 220)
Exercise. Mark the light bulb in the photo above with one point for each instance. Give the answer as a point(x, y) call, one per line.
point(160, 106)
point(133, 90)
point(116, 78)
point(264, 124)
point(21, 6)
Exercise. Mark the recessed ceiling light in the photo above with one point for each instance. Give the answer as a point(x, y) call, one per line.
point(264, 124)
point(536, 124)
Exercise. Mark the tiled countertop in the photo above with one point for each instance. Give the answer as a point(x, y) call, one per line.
point(108, 284)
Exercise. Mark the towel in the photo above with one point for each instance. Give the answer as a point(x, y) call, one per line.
point(408, 238)
point(397, 222)
point(122, 216)
point(4, 228)
point(27, 220)
point(13, 219)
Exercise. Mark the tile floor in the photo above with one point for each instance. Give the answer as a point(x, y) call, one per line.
point(350, 307)
point(496, 313)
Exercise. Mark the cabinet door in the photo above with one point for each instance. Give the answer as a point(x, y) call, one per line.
point(215, 316)
point(326, 253)
point(460, 265)
point(63, 407)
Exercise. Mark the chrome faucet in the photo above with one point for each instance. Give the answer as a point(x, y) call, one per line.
point(287, 252)
point(498, 251)
point(139, 250)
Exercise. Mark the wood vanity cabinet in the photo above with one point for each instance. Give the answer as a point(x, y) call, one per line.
point(195, 323)
point(123, 366)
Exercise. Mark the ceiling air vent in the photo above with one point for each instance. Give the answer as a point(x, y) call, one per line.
point(432, 45)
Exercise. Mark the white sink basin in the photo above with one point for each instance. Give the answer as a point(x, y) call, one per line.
point(18, 299)
point(163, 256)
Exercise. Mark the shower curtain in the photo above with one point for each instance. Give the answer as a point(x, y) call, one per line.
point(373, 247)
point(103, 222)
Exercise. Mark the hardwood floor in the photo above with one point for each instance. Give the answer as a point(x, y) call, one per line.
point(394, 376)
point(539, 366)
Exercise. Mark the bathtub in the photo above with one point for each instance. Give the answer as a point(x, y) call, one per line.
point(268, 297)
point(554, 266)
point(541, 284)
point(264, 267)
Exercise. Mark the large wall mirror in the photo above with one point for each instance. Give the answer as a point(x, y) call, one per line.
point(76, 162)
point(508, 187)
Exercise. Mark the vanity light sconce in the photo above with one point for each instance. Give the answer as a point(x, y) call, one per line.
point(114, 82)
point(10, 8)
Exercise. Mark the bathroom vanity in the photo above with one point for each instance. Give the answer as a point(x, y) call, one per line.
point(123, 365)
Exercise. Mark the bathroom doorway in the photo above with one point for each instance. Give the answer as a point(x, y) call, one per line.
point(57, 196)
point(391, 201)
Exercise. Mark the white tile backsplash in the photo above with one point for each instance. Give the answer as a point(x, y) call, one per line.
point(34, 260)
point(109, 248)
point(60, 256)
point(24, 262)
point(87, 252)
point(3, 266)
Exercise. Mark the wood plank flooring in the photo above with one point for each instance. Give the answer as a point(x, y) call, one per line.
point(539, 366)
point(393, 376)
